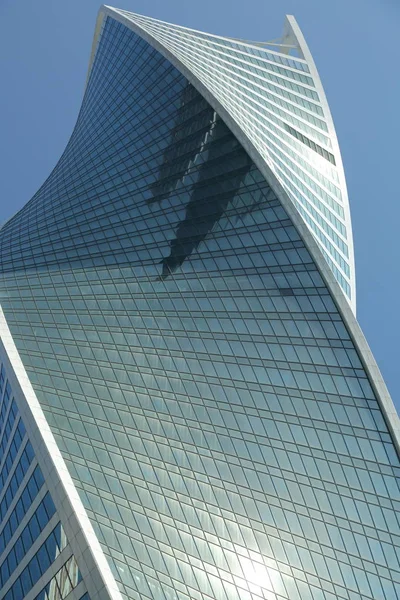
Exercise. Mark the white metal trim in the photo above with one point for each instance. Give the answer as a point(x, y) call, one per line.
point(292, 24)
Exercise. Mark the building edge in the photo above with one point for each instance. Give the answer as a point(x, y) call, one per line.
point(91, 560)
point(292, 29)
point(292, 37)
point(345, 309)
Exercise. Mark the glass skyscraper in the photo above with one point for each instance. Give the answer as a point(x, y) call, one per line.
point(188, 408)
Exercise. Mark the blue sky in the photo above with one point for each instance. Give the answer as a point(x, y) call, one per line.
point(44, 53)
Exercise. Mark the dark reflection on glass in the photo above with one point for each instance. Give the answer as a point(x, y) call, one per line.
point(65, 580)
point(38, 565)
point(193, 124)
point(195, 151)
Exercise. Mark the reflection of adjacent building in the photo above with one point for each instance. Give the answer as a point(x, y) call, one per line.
point(188, 408)
point(194, 152)
point(63, 583)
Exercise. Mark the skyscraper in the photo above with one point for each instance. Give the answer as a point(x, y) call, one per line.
point(188, 407)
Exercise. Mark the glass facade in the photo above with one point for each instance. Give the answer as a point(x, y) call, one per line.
point(193, 366)
point(31, 536)
point(281, 111)
point(63, 583)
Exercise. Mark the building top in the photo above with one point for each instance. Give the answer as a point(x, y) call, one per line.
point(274, 94)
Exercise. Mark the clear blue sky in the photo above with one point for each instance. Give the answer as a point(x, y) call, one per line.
point(44, 52)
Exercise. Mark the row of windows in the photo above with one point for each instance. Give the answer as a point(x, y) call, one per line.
point(321, 415)
point(121, 287)
point(285, 301)
point(5, 401)
point(282, 143)
point(178, 344)
point(24, 462)
point(22, 506)
point(208, 73)
point(38, 565)
point(236, 375)
point(226, 352)
point(63, 582)
point(11, 417)
point(328, 155)
point(28, 536)
point(283, 77)
point(320, 411)
point(153, 247)
point(68, 577)
point(2, 378)
point(262, 87)
point(273, 341)
point(266, 402)
point(14, 448)
point(224, 43)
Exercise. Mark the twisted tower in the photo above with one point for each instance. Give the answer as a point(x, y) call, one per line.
point(188, 407)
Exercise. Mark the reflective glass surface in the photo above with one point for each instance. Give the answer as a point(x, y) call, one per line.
point(29, 534)
point(191, 362)
point(38, 565)
point(13, 519)
point(63, 582)
point(239, 76)
point(26, 508)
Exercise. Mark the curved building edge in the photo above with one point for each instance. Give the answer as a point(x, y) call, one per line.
point(346, 310)
point(93, 565)
point(292, 28)
point(292, 38)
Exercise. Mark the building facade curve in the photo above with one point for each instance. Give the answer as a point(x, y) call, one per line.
point(180, 358)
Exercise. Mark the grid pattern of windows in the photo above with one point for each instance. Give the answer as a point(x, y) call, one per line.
point(38, 565)
point(267, 106)
point(16, 480)
point(30, 533)
point(193, 366)
point(11, 522)
point(12, 450)
point(8, 419)
point(22, 486)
